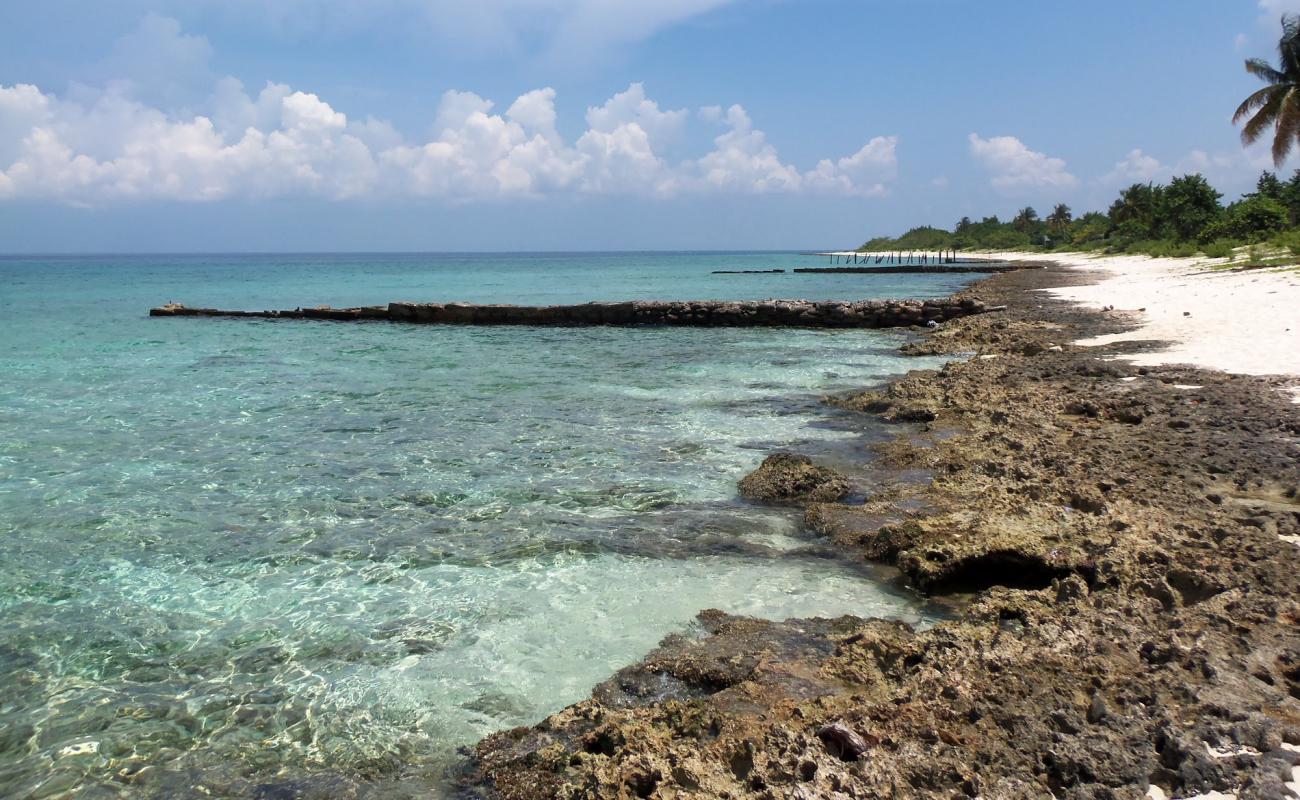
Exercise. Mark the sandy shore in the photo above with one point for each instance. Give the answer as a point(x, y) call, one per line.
point(1241, 321)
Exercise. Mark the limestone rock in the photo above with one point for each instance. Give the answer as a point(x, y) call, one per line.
point(795, 479)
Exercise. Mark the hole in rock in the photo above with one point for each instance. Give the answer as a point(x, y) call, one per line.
point(1006, 568)
point(644, 784)
point(1192, 587)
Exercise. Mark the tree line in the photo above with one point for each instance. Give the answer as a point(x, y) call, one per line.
point(1182, 218)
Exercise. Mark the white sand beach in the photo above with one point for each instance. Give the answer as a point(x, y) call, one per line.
point(1246, 322)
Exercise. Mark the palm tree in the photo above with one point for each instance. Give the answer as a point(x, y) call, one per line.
point(1025, 219)
point(1137, 203)
point(1278, 103)
point(1060, 218)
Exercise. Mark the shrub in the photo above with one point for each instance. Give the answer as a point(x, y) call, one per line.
point(1287, 240)
point(1252, 219)
point(878, 243)
point(1160, 248)
point(925, 238)
point(1221, 248)
point(1006, 239)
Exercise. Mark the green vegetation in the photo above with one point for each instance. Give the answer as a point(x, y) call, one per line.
point(1180, 219)
point(1278, 103)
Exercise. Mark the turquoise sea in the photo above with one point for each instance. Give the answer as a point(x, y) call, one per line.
point(258, 558)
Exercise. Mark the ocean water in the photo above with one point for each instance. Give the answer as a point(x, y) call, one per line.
point(277, 559)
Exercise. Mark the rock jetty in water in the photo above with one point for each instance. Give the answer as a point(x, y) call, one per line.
point(701, 313)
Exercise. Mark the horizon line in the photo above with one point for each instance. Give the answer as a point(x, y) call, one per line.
point(669, 251)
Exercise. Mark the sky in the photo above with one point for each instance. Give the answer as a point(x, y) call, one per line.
point(501, 125)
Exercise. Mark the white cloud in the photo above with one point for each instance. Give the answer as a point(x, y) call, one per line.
point(1232, 172)
point(632, 107)
point(307, 112)
point(863, 173)
point(623, 160)
point(535, 111)
point(1136, 167)
point(376, 134)
point(456, 108)
point(108, 146)
point(712, 114)
point(743, 160)
point(22, 108)
point(1274, 9)
point(1015, 167)
point(233, 111)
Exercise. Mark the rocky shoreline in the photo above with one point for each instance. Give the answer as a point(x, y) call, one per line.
point(1128, 537)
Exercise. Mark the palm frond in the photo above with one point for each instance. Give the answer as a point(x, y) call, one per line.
point(1267, 115)
point(1288, 47)
point(1264, 71)
point(1288, 127)
point(1256, 100)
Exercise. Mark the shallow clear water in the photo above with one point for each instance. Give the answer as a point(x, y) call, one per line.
point(252, 556)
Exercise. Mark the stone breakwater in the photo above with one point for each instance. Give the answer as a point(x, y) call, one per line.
point(703, 313)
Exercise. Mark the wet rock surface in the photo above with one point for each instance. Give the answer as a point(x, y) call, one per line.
point(793, 479)
point(1133, 612)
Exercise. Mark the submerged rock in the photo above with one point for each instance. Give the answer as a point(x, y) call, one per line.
point(795, 479)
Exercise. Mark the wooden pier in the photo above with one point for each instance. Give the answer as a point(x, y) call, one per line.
point(888, 257)
point(911, 269)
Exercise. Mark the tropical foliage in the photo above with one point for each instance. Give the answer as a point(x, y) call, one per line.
point(1277, 105)
point(1184, 217)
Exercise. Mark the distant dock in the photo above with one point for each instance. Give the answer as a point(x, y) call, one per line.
point(705, 313)
point(908, 269)
point(901, 262)
point(893, 257)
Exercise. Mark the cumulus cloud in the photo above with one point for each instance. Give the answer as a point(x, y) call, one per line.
point(1232, 172)
point(743, 159)
point(632, 107)
point(283, 141)
point(1136, 167)
point(1014, 167)
point(863, 173)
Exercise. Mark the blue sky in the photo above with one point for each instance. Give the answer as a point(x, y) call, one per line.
point(180, 125)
